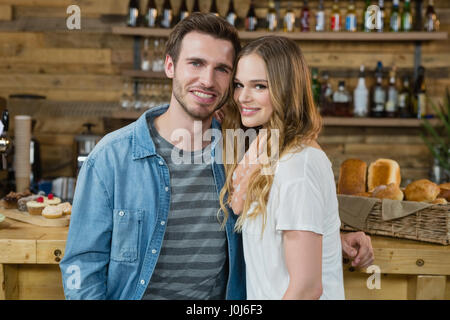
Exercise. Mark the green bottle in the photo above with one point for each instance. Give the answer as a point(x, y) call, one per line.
point(395, 21)
point(407, 17)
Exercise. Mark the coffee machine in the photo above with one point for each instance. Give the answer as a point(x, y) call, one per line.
point(85, 143)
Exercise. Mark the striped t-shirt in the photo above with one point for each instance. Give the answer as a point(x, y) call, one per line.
point(192, 261)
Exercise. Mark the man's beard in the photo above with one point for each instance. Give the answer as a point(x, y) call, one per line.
point(177, 93)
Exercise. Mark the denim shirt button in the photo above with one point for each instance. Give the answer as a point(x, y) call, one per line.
point(161, 163)
point(121, 213)
point(153, 251)
point(142, 282)
point(163, 223)
point(167, 189)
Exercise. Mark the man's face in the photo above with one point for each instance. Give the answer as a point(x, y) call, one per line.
point(202, 74)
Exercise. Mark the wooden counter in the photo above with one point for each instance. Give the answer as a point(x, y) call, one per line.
point(29, 257)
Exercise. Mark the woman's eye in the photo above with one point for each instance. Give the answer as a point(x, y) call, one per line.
point(260, 86)
point(237, 85)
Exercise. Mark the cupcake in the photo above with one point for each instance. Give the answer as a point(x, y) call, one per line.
point(36, 207)
point(52, 212)
point(22, 202)
point(52, 200)
point(66, 208)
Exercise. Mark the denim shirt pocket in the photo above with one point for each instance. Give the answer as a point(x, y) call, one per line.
point(125, 234)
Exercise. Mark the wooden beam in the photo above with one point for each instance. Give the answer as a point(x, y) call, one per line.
point(430, 287)
point(6, 13)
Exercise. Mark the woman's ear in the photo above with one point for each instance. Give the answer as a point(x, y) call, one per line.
point(169, 67)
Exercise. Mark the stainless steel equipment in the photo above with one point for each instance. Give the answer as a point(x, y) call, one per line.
point(85, 143)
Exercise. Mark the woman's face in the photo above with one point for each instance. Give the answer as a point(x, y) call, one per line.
point(251, 91)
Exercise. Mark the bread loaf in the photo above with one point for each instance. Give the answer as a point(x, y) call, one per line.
point(439, 201)
point(390, 191)
point(422, 190)
point(383, 172)
point(352, 177)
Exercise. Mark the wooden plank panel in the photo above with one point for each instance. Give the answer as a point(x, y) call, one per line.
point(430, 287)
point(6, 13)
point(16, 54)
point(17, 251)
point(47, 251)
point(40, 282)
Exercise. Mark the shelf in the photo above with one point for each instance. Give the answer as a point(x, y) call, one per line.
point(327, 121)
point(313, 36)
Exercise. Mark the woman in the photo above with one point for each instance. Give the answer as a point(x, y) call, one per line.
point(285, 197)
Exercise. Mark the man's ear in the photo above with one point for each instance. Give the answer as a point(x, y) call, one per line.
point(169, 67)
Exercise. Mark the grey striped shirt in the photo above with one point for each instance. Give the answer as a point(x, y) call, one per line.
point(192, 261)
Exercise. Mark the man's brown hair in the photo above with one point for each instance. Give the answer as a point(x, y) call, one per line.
point(206, 23)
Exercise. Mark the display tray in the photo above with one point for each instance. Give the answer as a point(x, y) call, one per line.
point(429, 224)
point(37, 220)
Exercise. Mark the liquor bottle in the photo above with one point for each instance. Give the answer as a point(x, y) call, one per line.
point(213, 8)
point(381, 16)
point(133, 13)
point(315, 86)
point(289, 19)
point(326, 96)
point(320, 17)
point(304, 17)
point(184, 12)
point(404, 100)
point(366, 17)
point(166, 17)
point(196, 6)
point(335, 17)
point(350, 18)
point(361, 96)
point(431, 20)
point(407, 17)
point(379, 93)
point(146, 56)
point(151, 15)
point(392, 96)
point(250, 20)
point(419, 105)
point(231, 14)
point(272, 20)
point(341, 101)
point(395, 20)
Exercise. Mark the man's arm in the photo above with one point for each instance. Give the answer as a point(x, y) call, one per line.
point(357, 246)
point(87, 252)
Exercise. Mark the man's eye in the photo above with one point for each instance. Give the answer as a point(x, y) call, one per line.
point(224, 70)
point(195, 63)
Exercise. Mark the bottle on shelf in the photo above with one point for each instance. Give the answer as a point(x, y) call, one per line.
point(366, 18)
point(231, 14)
point(335, 17)
point(381, 16)
point(167, 15)
point(251, 21)
point(379, 93)
point(304, 17)
point(350, 18)
point(404, 100)
point(151, 15)
point(326, 96)
point(391, 108)
point(133, 13)
point(431, 20)
point(407, 17)
point(315, 86)
point(320, 17)
point(146, 57)
point(184, 12)
point(213, 8)
point(289, 19)
point(196, 6)
point(361, 96)
point(341, 101)
point(158, 58)
point(395, 19)
point(420, 101)
point(272, 17)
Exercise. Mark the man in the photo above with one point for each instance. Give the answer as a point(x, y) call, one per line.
point(145, 226)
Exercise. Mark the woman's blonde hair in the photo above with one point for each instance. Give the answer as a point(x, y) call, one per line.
point(295, 117)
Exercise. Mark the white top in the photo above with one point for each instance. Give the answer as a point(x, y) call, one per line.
point(303, 197)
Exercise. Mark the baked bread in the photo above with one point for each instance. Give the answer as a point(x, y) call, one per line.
point(439, 201)
point(363, 194)
point(445, 193)
point(352, 177)
point(52, 212)
point(66, 208)
point(422, 190)
point(445, 185)
point(390, 191)
point(383, 171)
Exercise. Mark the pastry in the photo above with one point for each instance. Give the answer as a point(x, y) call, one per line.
point(445, 185)
point(36, 207)
point(439, 201)
point(422, 190)
point(383, 171)
point(363, 194)
point(66, 208)
point(352, 177)
point(22, 202)
point(52, 212)
point(52, 200)
point(10, 200)
point(445, 191)
point(390, 191)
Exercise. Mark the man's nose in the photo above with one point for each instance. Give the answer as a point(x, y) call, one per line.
point(207, 77)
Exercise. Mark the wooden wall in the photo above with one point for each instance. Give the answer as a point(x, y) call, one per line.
point(39, 55)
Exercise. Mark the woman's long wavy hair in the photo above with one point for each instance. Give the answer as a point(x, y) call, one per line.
point(295, 116)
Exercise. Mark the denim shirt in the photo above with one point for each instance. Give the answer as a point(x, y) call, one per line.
point(119, 214)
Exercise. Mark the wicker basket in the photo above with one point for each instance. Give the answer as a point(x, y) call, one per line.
point(431, 224)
